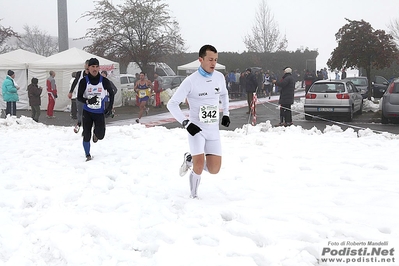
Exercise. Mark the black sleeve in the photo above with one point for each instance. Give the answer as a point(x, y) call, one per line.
point(107, 85)
point(81, 91)
point(75, 81)
point(114, 87)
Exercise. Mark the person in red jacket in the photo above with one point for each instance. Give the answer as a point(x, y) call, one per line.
point(157, 90)
point(309, 78)
point(52, 94)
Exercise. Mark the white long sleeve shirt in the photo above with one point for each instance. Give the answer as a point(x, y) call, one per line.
point(203, 95)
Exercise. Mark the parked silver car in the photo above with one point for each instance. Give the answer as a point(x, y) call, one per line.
point(362, 84)
point(390, 103)
point(333, 98)
point(171, 82)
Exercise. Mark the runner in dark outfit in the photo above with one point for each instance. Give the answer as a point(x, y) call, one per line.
point(92, 92)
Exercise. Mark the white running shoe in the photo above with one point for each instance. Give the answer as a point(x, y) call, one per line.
point(76, 128)
point(186, 164)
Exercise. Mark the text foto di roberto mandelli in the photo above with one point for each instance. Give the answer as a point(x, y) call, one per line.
point(358, 243)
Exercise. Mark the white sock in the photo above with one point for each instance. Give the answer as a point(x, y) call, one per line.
point(194, 183)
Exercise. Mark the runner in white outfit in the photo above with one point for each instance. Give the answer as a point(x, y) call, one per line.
point(203, 90)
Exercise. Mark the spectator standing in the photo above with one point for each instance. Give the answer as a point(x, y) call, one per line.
point(250, 84)
point(287, 88)
point(320, 75)
point(52, 94)
point(73, 92)
point(337, 76)
point(34, 92)
point(238, 75)
point(260, 78)
point(325, 73)
point(143, 88)
point(157, 89)
point(231, 78)
point(9, 90)
point(242, 85)
point(309, 79)
point(203, 89)
point(92, 92)
point(268, 84)
point(74, 108)
point(343, 74)
point(303, 78)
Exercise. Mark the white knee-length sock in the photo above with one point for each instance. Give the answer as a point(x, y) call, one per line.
point(194, 183)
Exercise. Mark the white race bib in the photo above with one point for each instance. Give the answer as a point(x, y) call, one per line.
point(142, 93)
point(209, 114)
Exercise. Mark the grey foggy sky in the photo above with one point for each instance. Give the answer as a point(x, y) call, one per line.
point(224, 23)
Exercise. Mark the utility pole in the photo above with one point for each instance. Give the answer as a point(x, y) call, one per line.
point(63, 40)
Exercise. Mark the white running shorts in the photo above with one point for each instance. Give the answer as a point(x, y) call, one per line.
point(198, 145)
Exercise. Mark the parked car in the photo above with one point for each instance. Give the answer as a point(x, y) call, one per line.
point(379, 86)
point(333, 98)
point(362, 84)
point(127, 81)
point(127, 88)
point(171, 82)
point(390, 103)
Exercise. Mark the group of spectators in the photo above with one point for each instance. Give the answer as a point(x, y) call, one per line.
point(255, 82)
point(240, 83)
point(10, 90)
point(309, 77)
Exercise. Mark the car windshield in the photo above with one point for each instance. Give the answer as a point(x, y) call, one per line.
point(328, 87)
point(127, 79)
point(359, 82)
point(167, 80)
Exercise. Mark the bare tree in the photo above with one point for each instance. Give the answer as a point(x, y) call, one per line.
point(5, 34)
point(393, 26)
point(138, 30)
point(265, 33)
point(37, 41)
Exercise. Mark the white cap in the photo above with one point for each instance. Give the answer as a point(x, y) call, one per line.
point(287, 70)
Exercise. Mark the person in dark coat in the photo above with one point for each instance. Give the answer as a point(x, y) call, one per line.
point(34, 92)
point(343, 74)
point(308, 78)
point(287, 87)
point(250, 85)
point(242, 85)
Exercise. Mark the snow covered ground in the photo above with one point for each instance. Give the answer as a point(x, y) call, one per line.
point(282, 197)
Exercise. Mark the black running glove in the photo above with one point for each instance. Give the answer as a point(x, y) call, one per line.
point(193, 129)
point(92, 100)
point(108, 112)
point(225, 121)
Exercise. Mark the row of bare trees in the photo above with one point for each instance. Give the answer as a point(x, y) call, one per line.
point(141, 31)
point(33, 39)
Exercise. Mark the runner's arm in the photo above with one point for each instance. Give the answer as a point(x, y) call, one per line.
point(174, 103)
point(75, 81)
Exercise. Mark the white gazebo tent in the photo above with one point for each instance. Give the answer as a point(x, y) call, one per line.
point(63, 64)
point(18, 62)
point(193, 66)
